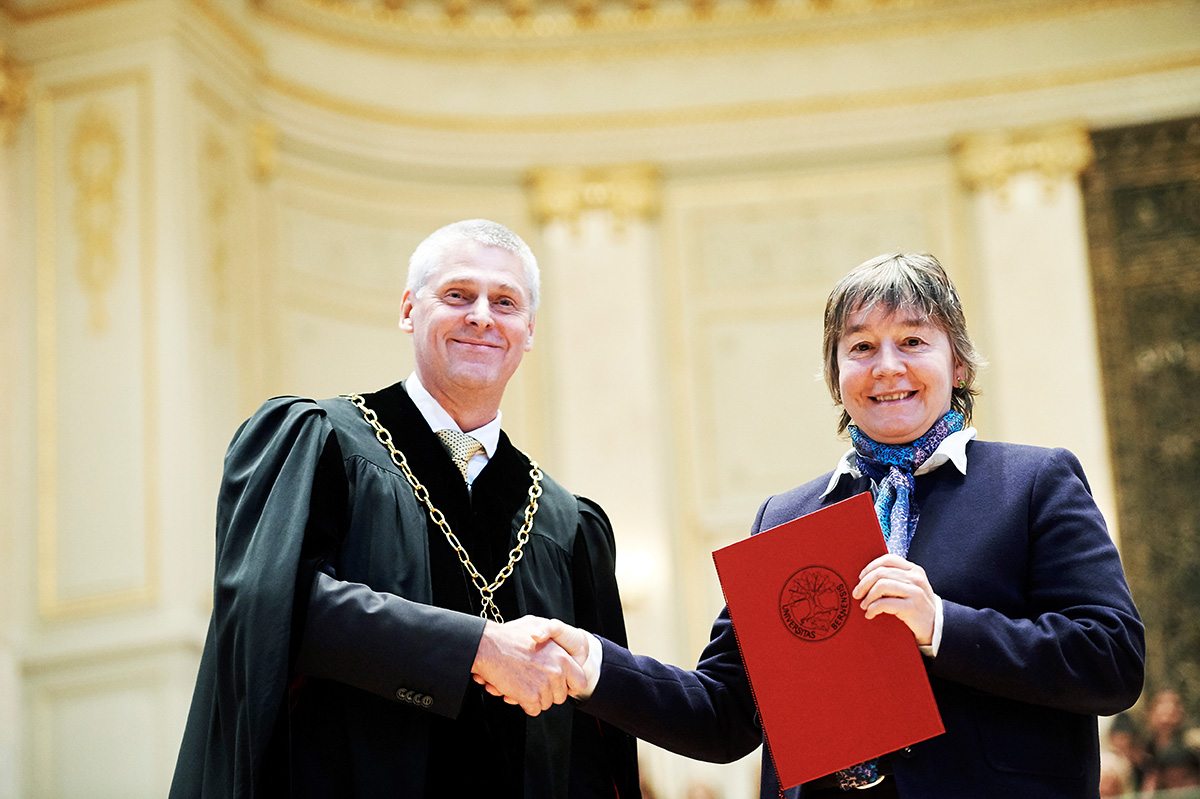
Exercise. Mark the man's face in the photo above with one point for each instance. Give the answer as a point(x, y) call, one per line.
point(471, 324)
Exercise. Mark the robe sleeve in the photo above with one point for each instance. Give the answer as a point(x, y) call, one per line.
point(262, 511)
point(402, 650)
point(594, 574)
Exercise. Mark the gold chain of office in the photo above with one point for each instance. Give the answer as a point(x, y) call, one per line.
point(486, 589)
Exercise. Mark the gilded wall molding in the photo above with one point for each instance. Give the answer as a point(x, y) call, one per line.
point(536, 30)
point(96, 163)
point(13, 93)
point(55, 155)
point(216, 181)
point(54, 10)
point(231, 28)
point(628, 191)
point(987, 161)
point(264, 146)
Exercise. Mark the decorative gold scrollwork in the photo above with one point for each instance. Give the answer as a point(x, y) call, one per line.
point(96, 162)
point(216, 171)
point(264, 141)
point(629, 191)
point(13, 81)
point(990, 160)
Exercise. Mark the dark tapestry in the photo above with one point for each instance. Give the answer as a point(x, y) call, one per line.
point(1143, 218)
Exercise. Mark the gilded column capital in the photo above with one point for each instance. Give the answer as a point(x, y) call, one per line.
point(13, 83)
point(629, 191)
point(986, 161)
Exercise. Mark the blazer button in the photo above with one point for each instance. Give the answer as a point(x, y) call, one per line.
point(906, 752)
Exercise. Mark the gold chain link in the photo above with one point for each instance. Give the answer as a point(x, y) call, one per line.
point(486, 589)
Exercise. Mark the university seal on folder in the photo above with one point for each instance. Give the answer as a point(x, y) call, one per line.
point(814, 603)
point(832, 688)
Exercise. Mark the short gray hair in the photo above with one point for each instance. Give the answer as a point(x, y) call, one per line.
point(901, 280)
point(432, 251)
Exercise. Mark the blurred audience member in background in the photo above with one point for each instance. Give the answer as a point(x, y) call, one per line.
point(1170, 763)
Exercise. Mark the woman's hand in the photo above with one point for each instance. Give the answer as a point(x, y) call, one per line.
point(891, 584)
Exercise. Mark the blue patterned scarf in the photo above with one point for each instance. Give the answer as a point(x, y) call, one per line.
point(891, 466)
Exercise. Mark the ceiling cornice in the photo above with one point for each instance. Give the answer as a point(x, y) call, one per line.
point(537, 30)
point(950, 91)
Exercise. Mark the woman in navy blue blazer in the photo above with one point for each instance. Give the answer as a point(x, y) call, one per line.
point(999, 562)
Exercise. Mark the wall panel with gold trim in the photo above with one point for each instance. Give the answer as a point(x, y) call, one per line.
point(104, 729)
point(98, 530)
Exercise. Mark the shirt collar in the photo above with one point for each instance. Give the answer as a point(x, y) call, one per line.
point(953, 449)
point(438, 419)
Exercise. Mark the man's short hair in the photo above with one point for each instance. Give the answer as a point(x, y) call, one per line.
point(430, 253)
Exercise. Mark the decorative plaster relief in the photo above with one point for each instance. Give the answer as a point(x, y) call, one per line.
point(629, 191)
point(264, 143)
point(13, 82)
point(217, 180)
point(96, 163)
point(989, 160)
point(540, 29)
point(224, 261)
point(1143, 210)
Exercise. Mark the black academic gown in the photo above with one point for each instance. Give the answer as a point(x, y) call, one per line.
point(344, 628)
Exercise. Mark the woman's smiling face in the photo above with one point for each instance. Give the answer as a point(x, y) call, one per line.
point(896, 372)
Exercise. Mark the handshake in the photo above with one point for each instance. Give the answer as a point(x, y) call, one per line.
point(532, 662)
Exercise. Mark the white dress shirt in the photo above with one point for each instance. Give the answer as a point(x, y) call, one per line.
point(438, 419)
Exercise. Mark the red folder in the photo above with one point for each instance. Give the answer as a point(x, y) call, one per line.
point(833, 689)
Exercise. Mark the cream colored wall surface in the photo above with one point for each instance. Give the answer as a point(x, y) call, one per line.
point(1040, 324)
point(337, 257)
point(16, 446)
point(271, 182)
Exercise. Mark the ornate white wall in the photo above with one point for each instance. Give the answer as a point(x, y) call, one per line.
point(204, 203)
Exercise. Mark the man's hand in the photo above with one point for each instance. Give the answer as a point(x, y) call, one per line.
point(891, 584)
point(519, 661)
point(573, 640)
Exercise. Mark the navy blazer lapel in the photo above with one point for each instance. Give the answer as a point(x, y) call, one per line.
point(847, 486)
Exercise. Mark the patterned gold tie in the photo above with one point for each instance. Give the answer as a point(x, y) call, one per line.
point(460, 446)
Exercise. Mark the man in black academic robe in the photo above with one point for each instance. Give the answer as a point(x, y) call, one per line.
point(346, 629)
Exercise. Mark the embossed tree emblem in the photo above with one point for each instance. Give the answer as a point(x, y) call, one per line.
point(814, 603)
